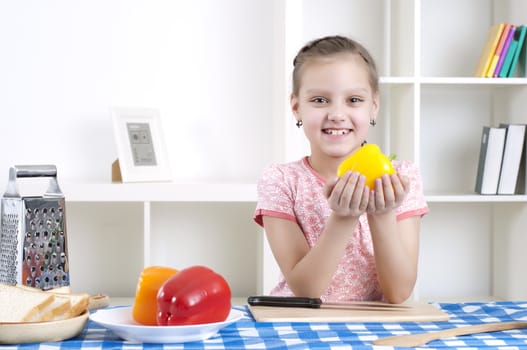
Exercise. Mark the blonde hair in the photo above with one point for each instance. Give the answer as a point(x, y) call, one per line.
point(333, 45)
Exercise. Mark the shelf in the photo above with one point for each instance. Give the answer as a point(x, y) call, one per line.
point(472, 81)
point(196, 192)
point(453, 81)
point(473, 198)
point(206, 192)
point(159, 192)
point(396, 80)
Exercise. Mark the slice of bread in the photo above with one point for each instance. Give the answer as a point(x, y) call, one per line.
point(78, 304)
point(66, 304)
point(57, 309)
point(98, 301)
point(20, 305)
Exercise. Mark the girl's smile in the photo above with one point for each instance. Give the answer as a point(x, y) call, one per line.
point(337, 131)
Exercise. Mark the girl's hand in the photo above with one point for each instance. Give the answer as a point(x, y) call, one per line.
point(389, 193)
point(348, 195)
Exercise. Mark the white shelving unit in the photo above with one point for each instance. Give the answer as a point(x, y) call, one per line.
point(469, 237)
point(220, 73)
point(432, 112)
point(129, 226)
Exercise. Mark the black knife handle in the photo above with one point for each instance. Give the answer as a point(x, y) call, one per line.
point(265, 300)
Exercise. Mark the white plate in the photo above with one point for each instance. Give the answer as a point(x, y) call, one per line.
point(37, 332)
point(121, 322)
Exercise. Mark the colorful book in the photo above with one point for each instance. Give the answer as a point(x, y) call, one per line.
point(508, 60)
point(504, 51)
point(521, 47)
point(492, 66)
point(498, 50)
point(490, 157)
point(487, 53)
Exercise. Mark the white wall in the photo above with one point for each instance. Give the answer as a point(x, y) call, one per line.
point(64, 63)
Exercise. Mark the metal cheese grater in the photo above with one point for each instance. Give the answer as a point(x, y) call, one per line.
point(33, 245)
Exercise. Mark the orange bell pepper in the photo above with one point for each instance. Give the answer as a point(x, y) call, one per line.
point(144, 309)
point(370, 162)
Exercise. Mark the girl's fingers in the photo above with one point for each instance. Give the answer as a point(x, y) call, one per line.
point(349, 195)
point(397, 184)
point(363, 206)
point(389, 192)
point(337, 190)
point(371, 202)
point(379, 194)
point(357, 191)
point(389, 195)
point(348, 191)
point(401, 188)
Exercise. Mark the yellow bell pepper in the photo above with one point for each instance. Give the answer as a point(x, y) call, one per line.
point(370, 162)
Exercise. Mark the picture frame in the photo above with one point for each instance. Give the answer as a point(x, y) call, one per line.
point(141, 149)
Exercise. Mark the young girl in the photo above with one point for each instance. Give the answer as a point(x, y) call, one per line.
point(334, 238)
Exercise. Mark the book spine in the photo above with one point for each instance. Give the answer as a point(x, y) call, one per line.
point(491, 154)
point(521, 183)
point(508, 60)
point(504, 51)
point(482, 157)
point(512, 154)
point(492, 67)
point(519, 49)
point(489, 48)
point(497, 50)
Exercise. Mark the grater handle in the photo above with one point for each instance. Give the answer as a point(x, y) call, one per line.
point(20, 171)
point(35, 170)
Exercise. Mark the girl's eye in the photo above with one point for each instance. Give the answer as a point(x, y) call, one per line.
point(355, 99)
point(319, 100)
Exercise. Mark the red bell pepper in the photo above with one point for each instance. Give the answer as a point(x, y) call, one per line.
point(194, 295)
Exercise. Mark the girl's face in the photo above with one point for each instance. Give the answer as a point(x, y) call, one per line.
point(335, 102)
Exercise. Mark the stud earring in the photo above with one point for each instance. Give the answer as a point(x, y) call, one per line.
point(373, 122)
point(299, 123)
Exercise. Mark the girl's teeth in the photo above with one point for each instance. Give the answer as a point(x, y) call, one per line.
point(336, 132)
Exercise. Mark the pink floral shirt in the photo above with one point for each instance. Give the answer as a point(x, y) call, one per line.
point(293, 191)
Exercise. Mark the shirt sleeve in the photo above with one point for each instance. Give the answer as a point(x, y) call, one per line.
point(414, 203)
point(275, 195)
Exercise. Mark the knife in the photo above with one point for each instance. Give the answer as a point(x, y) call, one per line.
point(316, 303)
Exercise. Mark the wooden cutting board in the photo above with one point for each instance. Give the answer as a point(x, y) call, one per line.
point(417, 312)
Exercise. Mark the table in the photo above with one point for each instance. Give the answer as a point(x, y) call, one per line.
point(248, 334)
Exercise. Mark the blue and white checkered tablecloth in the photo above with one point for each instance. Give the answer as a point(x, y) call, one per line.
point(248, 334)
